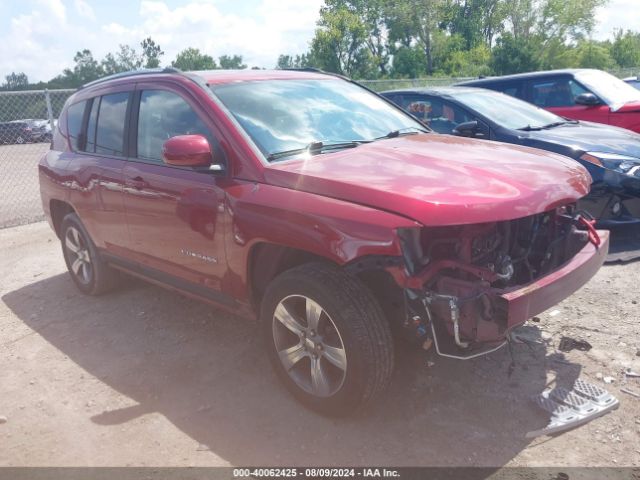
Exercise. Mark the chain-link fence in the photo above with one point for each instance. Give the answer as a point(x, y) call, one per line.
point(27, 119)
point(382, 85)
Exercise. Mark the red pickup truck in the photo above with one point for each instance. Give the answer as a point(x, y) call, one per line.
point(314, 204)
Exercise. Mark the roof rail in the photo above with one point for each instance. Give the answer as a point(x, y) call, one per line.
point(319, 70)
point(132, 73)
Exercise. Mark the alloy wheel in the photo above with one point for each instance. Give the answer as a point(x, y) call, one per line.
point(309, 345)
point(78, 254)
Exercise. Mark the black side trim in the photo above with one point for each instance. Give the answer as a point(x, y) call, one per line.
point(170, 280)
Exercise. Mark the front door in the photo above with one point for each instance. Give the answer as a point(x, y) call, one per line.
point(557, 94)
point(175, 214)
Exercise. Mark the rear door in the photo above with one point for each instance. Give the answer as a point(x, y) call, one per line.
point(557, 94)
point(97, 129)
point(175, 214)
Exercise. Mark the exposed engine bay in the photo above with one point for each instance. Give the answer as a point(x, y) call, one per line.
point(460, 277)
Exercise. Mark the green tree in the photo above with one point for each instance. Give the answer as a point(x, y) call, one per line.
point(231, 63)
point(591, 54)
point(423, 19)
point(151, 52)
point(477, 21)
point(192, 59)
point(469, 63)
point(625, 49)
point(15, 81)
point(288, 61)
point(86, 69)
point(125, 60)
point(409, 62)
point(567, 19)
point(514, 55)
point(372, 15)
point(339, 44)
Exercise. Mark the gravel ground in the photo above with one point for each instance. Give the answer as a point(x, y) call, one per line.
point(147, 377)
point(19, 183)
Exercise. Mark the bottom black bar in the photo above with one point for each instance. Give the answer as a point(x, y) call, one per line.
point(404, 473)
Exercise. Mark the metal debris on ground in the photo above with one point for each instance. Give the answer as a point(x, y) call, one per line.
point(630, 392)
point(567, 344)
point(630, 373)
point(571, 408)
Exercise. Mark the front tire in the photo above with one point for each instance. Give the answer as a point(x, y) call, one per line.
point(327, 338)
point(88, 271)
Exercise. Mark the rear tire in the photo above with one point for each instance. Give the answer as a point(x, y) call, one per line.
point(88, 271)
point(327, 338)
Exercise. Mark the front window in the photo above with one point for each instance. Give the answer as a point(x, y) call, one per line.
point(283, 115)
point(556, 92)
point(507, 111)
point(441, 116)
point(612, 90)
point(164, 115)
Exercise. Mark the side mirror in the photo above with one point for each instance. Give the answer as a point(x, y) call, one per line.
point(468, 129)
point(588, 99)
point(188, 151)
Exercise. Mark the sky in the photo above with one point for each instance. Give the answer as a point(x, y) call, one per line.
point(40, 37)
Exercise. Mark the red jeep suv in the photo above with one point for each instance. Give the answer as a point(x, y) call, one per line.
point(312, 203)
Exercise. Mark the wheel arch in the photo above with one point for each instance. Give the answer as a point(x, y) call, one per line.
point(267, 260)
point(59, 209)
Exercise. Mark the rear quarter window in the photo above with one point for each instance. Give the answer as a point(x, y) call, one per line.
point(75, 114)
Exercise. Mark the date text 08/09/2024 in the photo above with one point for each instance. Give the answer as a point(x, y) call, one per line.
point(315, 472)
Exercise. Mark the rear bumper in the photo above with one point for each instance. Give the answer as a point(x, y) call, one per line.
point(524, 302)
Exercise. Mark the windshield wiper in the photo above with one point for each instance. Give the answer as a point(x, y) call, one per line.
point(529, 128)
point(314, 148)
point(403, 131)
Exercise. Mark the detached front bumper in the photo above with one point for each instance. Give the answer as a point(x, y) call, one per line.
point(523, 302)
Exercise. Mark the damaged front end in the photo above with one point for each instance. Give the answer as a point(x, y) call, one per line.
point(466, 287)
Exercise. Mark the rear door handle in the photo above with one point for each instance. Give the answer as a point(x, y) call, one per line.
point(137, 182)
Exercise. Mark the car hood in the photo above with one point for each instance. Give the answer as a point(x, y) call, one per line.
point(439, 179)
point(590, 137)
point(630, 107)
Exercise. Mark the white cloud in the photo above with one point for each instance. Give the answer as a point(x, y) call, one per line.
point(617, 14)
point(55, 7)
point(43, 48)
point(84, 9)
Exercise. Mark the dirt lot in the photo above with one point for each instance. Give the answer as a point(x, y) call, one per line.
point(147, 377)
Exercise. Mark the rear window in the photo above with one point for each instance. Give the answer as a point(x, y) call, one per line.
point(514, 89)
point(74, 124)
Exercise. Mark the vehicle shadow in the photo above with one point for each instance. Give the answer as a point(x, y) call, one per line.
point(205, 371)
